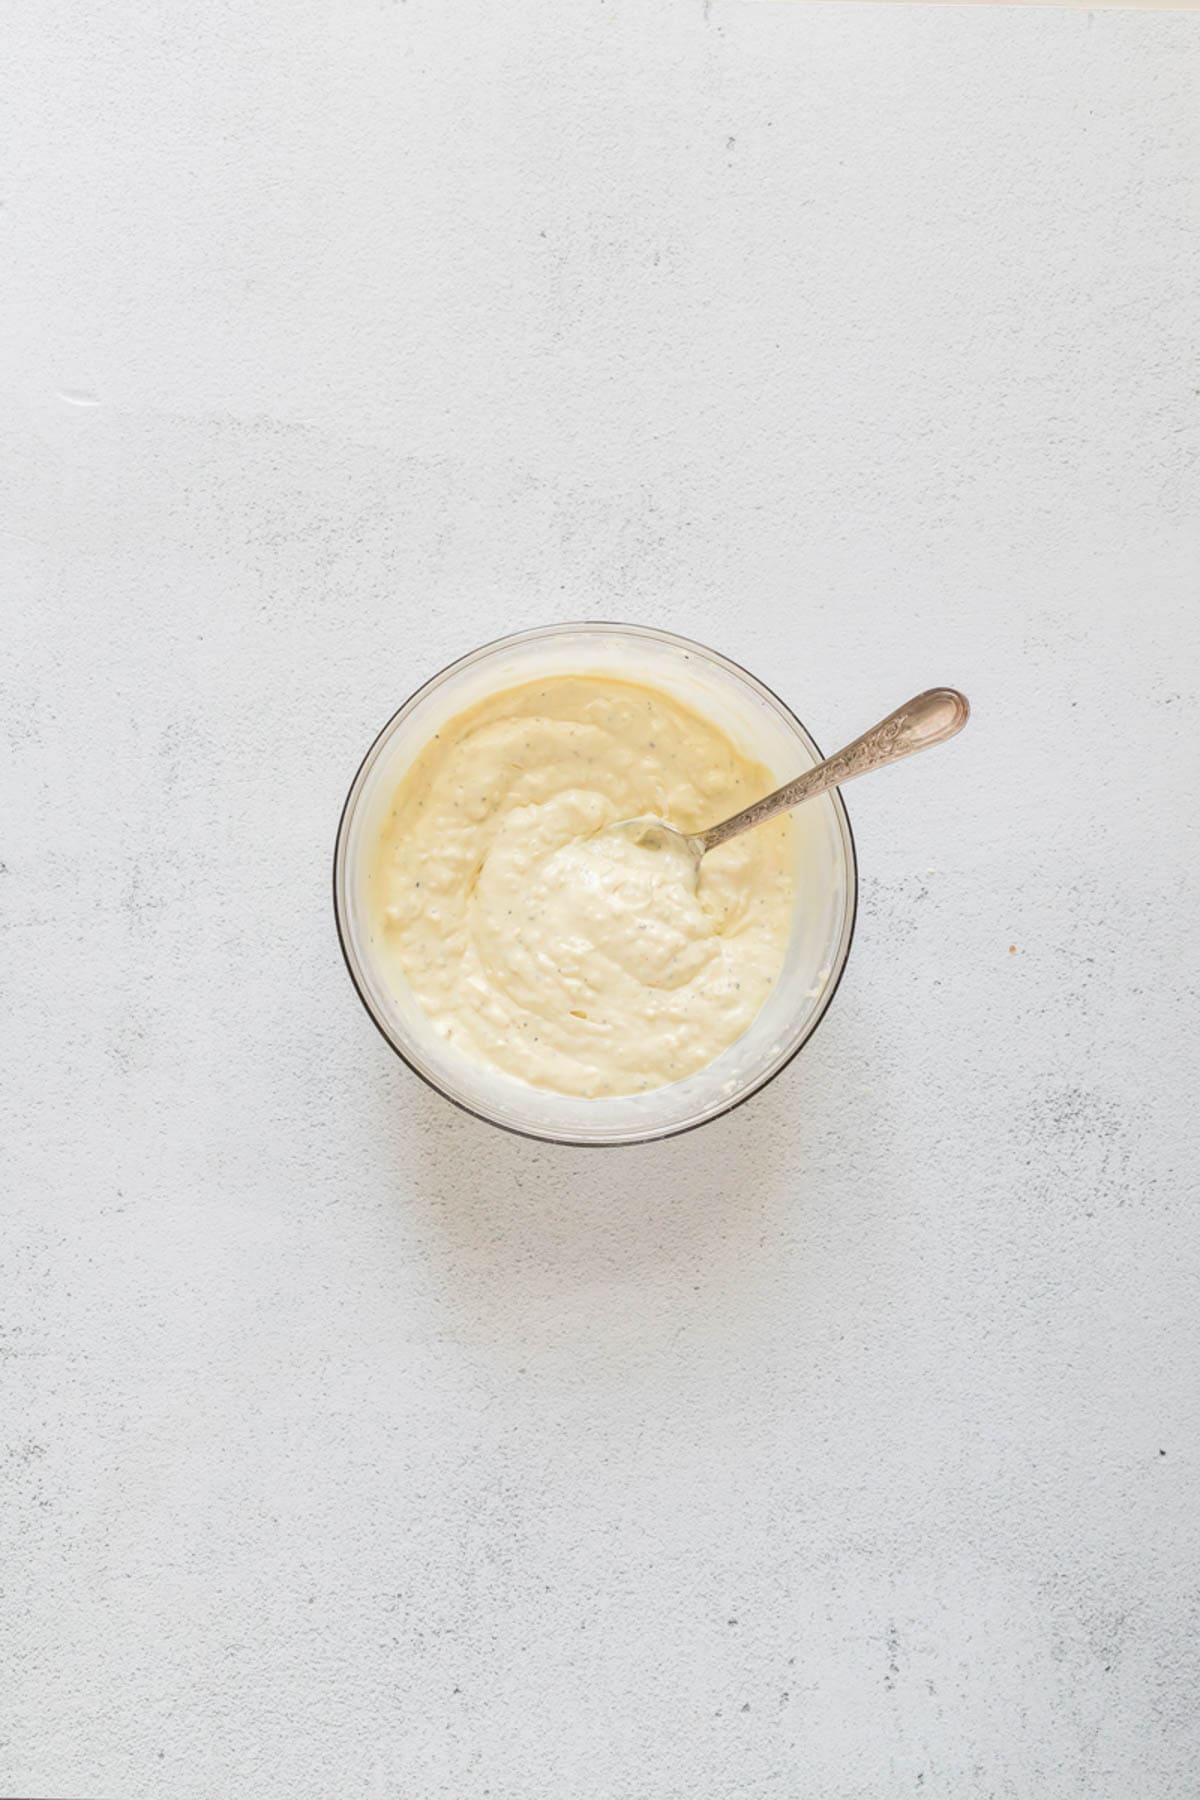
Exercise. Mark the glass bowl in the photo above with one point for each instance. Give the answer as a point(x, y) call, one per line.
point(826, 877)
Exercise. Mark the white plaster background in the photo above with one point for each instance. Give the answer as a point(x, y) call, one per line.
point(848, 1448)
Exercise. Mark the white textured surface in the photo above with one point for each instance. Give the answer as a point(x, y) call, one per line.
point(849, 1447)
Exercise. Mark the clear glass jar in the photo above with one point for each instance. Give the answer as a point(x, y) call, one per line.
point(826, 878)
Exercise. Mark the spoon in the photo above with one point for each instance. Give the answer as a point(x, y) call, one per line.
point(928, 719)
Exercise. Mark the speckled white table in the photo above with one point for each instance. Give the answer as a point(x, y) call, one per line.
point(849, 1448)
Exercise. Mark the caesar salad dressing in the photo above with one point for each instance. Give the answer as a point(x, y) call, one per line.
point(545, 947)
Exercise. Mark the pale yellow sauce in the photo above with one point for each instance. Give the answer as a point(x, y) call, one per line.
point(544, 946)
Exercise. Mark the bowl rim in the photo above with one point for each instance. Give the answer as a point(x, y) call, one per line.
point(561, 628)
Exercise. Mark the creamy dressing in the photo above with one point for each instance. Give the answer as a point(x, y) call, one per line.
point(544, 946)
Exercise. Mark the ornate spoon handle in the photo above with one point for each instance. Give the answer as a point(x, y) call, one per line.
point(929, 719)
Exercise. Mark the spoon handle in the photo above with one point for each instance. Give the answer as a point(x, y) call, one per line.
point(930, 718)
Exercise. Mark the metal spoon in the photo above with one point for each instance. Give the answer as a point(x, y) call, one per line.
point(930, 718)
